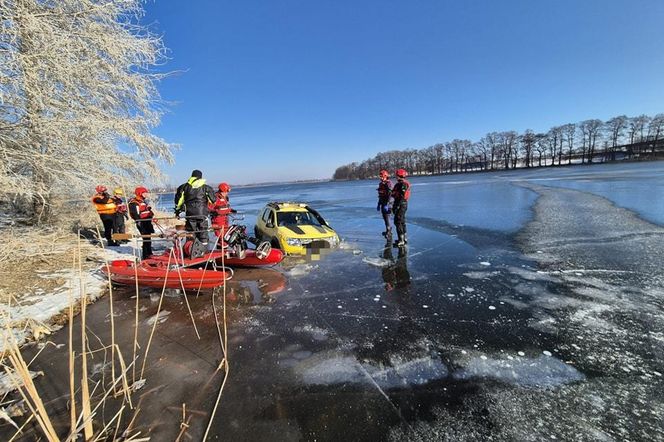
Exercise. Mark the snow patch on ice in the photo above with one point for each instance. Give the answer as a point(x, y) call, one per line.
point(161, 317)
point(544, 371)
point(11, 381)
point(300, 270)
point(376, 262)
point(331, 369)
point(480, 275)
point(531, 275)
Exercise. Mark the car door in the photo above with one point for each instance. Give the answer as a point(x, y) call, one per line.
point(266, 227)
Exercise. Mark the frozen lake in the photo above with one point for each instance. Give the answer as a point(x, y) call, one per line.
point(528, 305)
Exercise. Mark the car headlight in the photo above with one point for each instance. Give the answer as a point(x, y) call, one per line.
point(333, 240)
point(293, 242)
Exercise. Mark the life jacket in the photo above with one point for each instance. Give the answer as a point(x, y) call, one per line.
point(221, 206)
point(401, 191)
point(138, 209)
point(384, 190)
point(104, 204)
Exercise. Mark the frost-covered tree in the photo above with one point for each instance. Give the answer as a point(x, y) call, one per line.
point(78, 97)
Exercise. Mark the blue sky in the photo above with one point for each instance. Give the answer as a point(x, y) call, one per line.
point(278, 90)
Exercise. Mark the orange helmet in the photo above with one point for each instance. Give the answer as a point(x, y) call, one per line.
point(224, 187)
point(140, 190)
point(384, 174)
point(401, 173)
point(101, 188)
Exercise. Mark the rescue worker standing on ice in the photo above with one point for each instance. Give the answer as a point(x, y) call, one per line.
point(142, 214)
point(193, 197)
point(384, 207)
point(106, 209)
point(121, 211)
point(401, 194)
point(220, 209)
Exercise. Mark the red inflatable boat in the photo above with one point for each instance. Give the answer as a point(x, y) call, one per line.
point(251, 260)
point(154, 273)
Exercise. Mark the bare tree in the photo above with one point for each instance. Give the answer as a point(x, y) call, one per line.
point(593, 129)
point(615, 127)
point(78, 97)
point(527, 145)
point(636, 127)
point(569, 131)
point(541, 144)
point(555, 136)
point(655, 130)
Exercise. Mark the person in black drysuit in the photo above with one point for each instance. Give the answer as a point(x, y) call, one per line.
point(401, 195)
point(384, 195)
point(193, 198)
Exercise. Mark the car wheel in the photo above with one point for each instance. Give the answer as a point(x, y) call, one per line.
point(275, 244)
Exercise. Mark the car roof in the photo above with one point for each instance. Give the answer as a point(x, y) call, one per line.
point(288, 205)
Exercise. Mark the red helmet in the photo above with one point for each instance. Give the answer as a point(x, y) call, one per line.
point(384, 174)
point(224, 187)
point(101, 188)
point(401, 173)
point(140, 190)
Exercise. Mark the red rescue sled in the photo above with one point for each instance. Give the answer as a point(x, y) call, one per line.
point(154, 273)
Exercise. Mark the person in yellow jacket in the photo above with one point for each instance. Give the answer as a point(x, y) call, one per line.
point(120, 211)
point(106, 208)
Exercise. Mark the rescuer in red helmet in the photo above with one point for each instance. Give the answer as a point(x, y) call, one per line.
point(106, 209)
point(141, 212)
point(401, 195)
point(384, 206)
point(220, 209)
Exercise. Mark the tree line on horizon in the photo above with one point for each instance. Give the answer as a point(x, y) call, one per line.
point(585, 142)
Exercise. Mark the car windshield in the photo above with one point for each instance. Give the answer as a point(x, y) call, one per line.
point(296, 218)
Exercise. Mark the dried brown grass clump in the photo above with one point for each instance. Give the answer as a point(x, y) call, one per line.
point(28, 254)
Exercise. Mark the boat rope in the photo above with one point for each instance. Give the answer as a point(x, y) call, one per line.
point(223, 342)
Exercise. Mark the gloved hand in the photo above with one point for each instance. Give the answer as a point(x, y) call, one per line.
point(149, 208)
point(177, 212)
point(378, 207)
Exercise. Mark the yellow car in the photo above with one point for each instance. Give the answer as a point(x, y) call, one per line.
point(295, 228)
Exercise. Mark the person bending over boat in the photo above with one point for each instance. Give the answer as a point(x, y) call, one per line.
point(401, 195)
point(220, 209)
point(106, 209)
point(384, 206)
point(193, 198)
point(141, 212)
